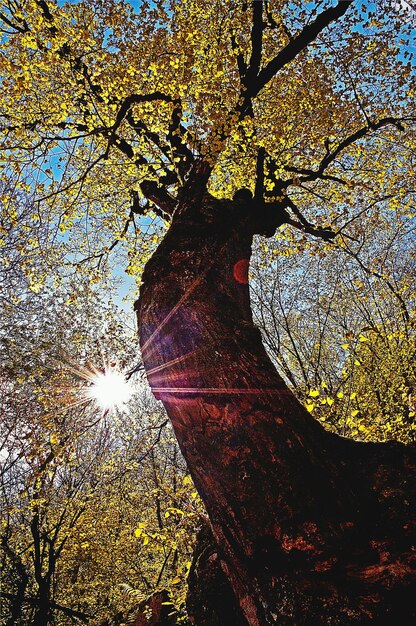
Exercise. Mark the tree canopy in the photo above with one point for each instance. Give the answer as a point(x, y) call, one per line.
point(106, 108)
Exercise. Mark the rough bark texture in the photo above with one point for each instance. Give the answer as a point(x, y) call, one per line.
point(311, 528)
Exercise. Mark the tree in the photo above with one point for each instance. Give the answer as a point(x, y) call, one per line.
point(97, 510)
point(229, 120)
point(340, 328)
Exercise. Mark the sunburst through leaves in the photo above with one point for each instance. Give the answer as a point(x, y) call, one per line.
point(109, 389)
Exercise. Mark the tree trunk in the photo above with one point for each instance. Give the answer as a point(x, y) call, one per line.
point(17, 600)
point(311, 528)
point(43, 613)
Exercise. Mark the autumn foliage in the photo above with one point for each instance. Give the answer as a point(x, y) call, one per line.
point(166, 134)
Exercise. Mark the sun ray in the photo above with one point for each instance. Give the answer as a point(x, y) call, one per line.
point(107, 387)
point(219, 390)
point(179, 359)
point(197, 281)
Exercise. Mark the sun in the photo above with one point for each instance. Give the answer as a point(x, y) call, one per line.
point(109, 389)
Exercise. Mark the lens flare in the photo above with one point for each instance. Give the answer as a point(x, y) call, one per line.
point(109, 389)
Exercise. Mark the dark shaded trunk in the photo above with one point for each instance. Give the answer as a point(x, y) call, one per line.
point(311, 528)
point(43, 612)
point(158, 610)
point(210, 599)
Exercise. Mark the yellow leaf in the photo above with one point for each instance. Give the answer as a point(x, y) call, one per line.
point(310, 407)
point(314, 393)
point(330, 401)
point(340, 395)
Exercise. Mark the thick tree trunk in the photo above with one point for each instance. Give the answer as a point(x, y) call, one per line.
point(311, 528)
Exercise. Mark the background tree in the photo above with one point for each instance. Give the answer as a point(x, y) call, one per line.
point(340, 327)
point(97, 509)
point(302, 114)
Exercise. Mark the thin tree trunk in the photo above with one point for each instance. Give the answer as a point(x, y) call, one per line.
point(311, 528)
point(17, 599)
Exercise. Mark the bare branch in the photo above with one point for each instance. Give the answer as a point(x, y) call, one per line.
point(330, 156)
point(80, 179)
point(327, 234)
point(310, 175)
point(84, 617)
point(371, 272)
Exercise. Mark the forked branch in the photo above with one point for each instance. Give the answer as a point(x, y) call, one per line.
point(254, 78)
point(299, 43)
point(271, 215)
point(309, 175)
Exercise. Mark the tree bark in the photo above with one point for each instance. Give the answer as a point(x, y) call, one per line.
point(311, 528)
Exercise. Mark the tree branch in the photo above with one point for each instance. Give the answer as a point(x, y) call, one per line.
point(182, 155)
point(289, 52)
point(370, 272)
point(179, 148)
point(141, 129)
point(20, 29)
point(135, 99)
point(330, 156)
point(84, 617)
point(45, 10)
point(327, 234)
point(241, 64)
point(158, 194)
point(299, 43)
point(259, 189)
point(256, 42)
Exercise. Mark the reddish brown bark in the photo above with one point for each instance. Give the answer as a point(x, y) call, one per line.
point(158, 610)
point(311, 528)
